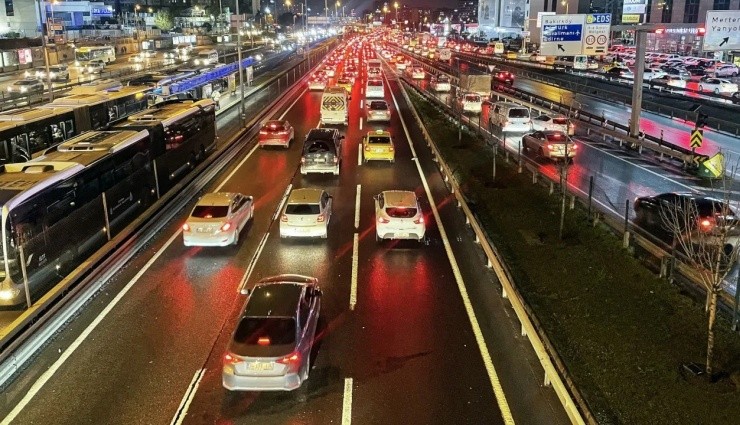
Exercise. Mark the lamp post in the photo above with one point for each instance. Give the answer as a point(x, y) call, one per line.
point(46, 54)
point(565, 3)
point(336, 6)
point(136, 20)
point(396, 6)
point(326, 11)
point(239, 58)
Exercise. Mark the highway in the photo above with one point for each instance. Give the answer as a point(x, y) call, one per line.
point(412, 333)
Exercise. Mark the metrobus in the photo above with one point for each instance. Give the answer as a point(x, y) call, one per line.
point(84, 54)
point(61, 207)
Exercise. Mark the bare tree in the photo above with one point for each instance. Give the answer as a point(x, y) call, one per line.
point(707, 233)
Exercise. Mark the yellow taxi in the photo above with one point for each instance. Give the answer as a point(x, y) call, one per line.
point(378, 146)
point(346, 84)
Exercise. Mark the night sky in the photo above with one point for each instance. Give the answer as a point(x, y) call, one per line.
point(360, 5)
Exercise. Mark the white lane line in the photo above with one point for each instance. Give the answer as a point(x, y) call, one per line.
point(362, 102)
point(44, 378)
point(355, 260)
point(347, 402)
point(359, 154)
point(485, 354)
point(360, 123)
point(182, 410)
point(357, 206)
point(253, 263)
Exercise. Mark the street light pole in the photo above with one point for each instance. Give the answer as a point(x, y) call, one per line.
point(46, 52)
point(239, 58)
point(565, 3)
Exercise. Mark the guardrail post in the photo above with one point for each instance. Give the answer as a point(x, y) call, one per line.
point(590, 194)
point(626, 237)
point(552, 187)
point(524, 333)
point(519, 157)
point(572, 201)
point(534, 176)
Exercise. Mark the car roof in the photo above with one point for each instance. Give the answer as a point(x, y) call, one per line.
point(276, 299)
point(305, 196)
point(326, 134)
point(216, 199)
point(399, 198)
point(379, 133)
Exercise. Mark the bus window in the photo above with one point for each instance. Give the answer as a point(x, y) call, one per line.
point(38, 140)
point(19, 148)
point(4, 157)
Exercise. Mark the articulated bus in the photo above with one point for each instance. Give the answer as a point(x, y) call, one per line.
point(84, 54)
point(26, 132)
point(61, 207)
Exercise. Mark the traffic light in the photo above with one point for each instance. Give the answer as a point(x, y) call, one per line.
point(701, 31)
point(701, 120)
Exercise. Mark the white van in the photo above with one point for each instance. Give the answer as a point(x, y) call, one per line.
point(334, 106)
point(206, 57)
point(510, 117)
point(374, 88)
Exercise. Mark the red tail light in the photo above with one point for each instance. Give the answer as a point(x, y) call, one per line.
point(293, 358)
point(706, 224)
point(336, 160)
point(383, 220)
point(320, 218)
point(228, 358)
point(264, 132)
point(303, 160)
point(226, 227)
point(186, 227)
point(284, 218)
point(419, 220)
point(367, 148)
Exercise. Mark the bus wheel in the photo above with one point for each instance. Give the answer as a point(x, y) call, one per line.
point(202, 153)
point(193, 160)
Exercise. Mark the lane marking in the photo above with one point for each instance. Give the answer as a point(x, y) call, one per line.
point(362, 102)
point(46, 376)
point(253, 263)
point(182, 410)
point(359, 155)
point(347, 402)
point(357, 206)
point(360, 123)
point(355, 261)
point(485, 354)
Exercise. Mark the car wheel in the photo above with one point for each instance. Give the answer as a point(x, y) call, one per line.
point(377, 237)
point(236, 237)
point(716, 91)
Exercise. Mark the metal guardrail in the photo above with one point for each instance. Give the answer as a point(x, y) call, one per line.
point(555, 373)
point(52, 311)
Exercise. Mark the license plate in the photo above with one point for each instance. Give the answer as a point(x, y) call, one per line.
point(259, 366)
point(378, 150)
point(402, 235)
point(320, 160)
point(201, 230)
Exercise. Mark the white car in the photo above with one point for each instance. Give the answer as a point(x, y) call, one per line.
point(329, 71)
point(417, 73)
point(95, 66)
point(317, 83)
point(398, 216)
point(306, 214)
point(717, 85)
point(671, 81)
point(471, 102)
point(553, 122)
point(401, 65)
point(441, 83)
point(651, 74)
point(217, 219)
point(724, 70)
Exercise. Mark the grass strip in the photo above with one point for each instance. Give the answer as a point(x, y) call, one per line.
point(622, 333)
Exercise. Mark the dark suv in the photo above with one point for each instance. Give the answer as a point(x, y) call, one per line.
point(322, 151)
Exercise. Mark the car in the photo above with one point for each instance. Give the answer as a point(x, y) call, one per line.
point(217, 219)
point(503, 77)
point(38, 72)
point(441, 83)
point(378, 110)
point(668, 82)
point(57, 73)
point(378, 146)
point(307, 213)
point(417, 73)
point(470, 102)
point(374, 73)
point(553, 122)
point(329, 71)
point(95, 66)
point(650, 74)
point(401, 65)
point(276, 133)
point(322, 151)
point(695, 70)
point(619, 73)
point(717, 85)
point(552, 144)
point(317, 83)
point(712, 217)
point(271, 346)
point(25, 87)
point(346, 84)
point(398, 215)
point(724, 70)
point(678, 71)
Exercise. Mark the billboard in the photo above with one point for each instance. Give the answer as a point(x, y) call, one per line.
point(512, 13)
point(487, 15)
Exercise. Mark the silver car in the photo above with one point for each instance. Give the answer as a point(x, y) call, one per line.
point(378, 110)
point(217, 219)
point(270, 349)
point(306, 214)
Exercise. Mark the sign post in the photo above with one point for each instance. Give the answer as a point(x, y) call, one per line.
point(722, 30)
point(570, 35)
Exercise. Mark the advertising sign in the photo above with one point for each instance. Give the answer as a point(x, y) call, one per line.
point(722, 30)
point(487, 13)
point(633, 11)
point(101, 11)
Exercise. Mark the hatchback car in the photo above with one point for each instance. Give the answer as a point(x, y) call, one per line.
point(217, 219)
point(717, 85)
point(417, 73)
point(25, 87)
point(317, 83)
point(378, 146)
point(322, 151)
point(724, 70)
point(471, 102)
point(276, 133)
point(504, 77)
point(398, 216)
point(441, 83)
point(378, 110)
point(553, 122)
point(306, 214)
point(270, 349)
point(550, 144)
point(95, 66)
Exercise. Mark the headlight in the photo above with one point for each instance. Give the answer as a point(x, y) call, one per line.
point(24, 89)
point(9, 294)
point(52, 75)
point(77, 63)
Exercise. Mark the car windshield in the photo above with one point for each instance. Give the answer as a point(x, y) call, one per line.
point(374, 83)
point(400, 212)
point(443, 79)
point(560, 120)
point(210, 211)
point(343, 82)
point(706, 207)
point(302, 209)
point(24, 83)
point(519, 113)
point(555, 138)
point(274, 126)
point(378, 106)
point(378, 140)
point(318, 146)
point(265, 331)
point(472, 98)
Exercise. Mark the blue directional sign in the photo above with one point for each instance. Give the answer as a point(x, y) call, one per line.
point(552, 33)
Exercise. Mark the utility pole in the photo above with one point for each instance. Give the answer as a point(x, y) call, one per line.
point(46, 50)
point(564, 169)
point(239, 58)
